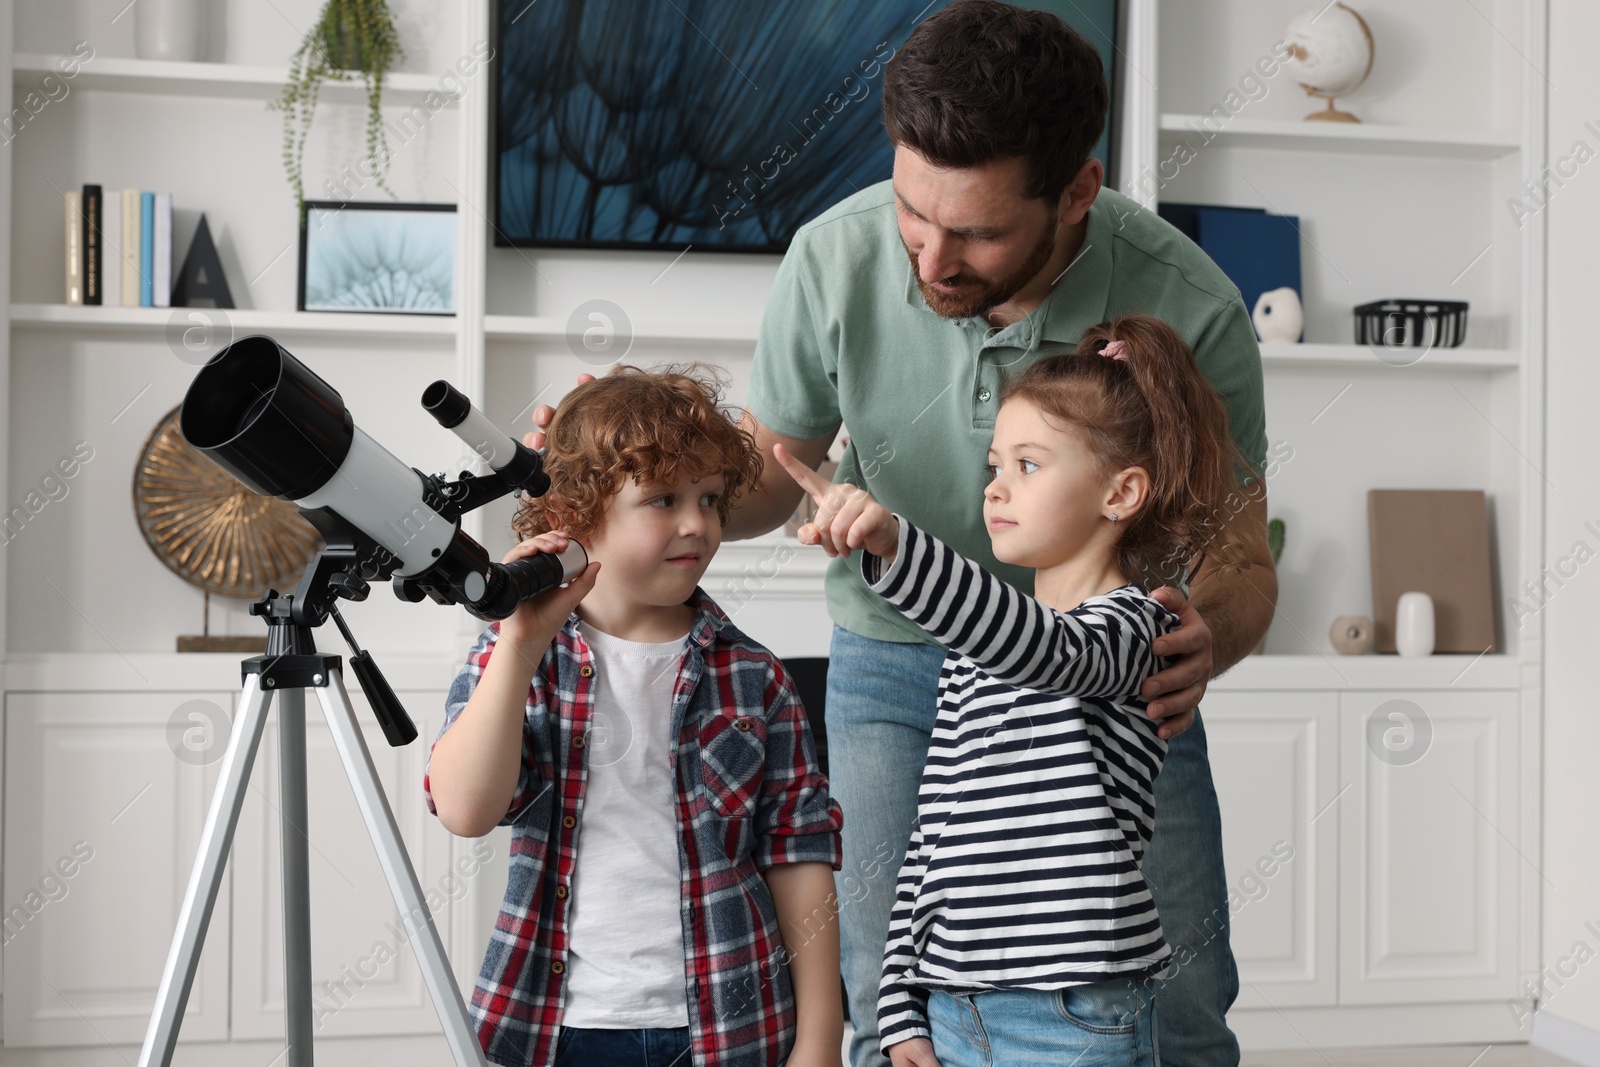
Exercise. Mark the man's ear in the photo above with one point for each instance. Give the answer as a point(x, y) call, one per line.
point(1080, 193)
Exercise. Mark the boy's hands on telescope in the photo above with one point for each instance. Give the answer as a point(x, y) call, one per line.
point(534, 624)
point(847, 517)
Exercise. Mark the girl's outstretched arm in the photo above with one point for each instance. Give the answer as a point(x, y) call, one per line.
point(1102, 648)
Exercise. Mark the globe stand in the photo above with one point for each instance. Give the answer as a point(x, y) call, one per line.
point(1330, 113)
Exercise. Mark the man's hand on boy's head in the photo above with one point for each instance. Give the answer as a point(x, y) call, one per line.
point(847, 517)
point(913, 1052)
point(542, 415)
point(535, 622)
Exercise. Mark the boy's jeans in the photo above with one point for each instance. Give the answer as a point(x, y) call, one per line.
point(1107, 1024)
point(622, 1048)
point(880, 711)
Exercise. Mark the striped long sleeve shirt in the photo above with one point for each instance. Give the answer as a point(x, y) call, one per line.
point(1037, 797)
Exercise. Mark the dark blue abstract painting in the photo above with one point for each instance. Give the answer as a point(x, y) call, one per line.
point(724, 124)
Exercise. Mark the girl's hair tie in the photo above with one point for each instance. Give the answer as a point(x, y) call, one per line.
point(1115, 350)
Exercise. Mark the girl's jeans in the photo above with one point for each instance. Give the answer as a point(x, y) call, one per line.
point(1107, 1024)
point(880, 710)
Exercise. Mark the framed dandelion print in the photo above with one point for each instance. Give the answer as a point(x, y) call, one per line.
point(377, 257)
point(722, 125)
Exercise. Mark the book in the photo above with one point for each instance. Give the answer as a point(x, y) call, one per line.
point(74, 247)
point(147, 248)
point(1256, 250)
point(111, 249)
point(161, 281)
point(130, 248)
point(1435, 541)
point(92, 245)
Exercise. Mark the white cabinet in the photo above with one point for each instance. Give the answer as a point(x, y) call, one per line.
point(1398, 812)
point(1428, 852)
point(101, 769)
point(1274, 759)
point(90, 777)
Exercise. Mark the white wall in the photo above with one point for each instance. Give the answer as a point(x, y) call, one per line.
point(1570, 1020)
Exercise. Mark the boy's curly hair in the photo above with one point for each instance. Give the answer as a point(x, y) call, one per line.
point(651, 425)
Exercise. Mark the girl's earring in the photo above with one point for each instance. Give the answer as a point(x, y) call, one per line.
point(1113, 516)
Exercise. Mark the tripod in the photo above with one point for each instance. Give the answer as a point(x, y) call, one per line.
point(289, 668)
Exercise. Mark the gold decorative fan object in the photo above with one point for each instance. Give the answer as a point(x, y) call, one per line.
point(214, 532)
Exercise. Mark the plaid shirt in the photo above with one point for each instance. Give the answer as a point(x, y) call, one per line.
point(748, 795)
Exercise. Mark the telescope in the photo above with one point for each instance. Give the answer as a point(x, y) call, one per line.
point(265, 418)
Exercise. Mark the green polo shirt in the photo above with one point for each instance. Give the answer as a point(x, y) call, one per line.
point(846, 336)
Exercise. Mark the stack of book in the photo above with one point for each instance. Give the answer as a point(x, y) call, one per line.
point(119, 247)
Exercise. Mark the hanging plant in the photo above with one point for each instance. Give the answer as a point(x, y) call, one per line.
point(351, 38)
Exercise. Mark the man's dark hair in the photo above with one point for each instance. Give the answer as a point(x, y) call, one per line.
point(982, 80)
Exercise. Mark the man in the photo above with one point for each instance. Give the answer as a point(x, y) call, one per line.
point(901, 312)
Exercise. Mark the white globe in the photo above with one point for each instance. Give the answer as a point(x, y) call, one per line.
point(1331, 52)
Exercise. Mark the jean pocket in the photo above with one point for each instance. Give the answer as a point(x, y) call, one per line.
point(1110, 1007)
point(733, 753)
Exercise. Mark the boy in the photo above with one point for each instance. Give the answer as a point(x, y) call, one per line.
point(670, 826)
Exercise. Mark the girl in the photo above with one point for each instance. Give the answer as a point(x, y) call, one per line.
point(1022, 929)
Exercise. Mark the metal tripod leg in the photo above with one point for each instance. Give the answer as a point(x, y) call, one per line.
point(216, 840)
point(294, 834)
point(415, 917)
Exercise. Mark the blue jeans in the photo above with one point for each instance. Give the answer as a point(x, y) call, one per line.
point(622, 1048)
point(1107, 1024)
point(880, 710)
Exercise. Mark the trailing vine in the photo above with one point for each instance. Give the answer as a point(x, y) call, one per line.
point(350, 38)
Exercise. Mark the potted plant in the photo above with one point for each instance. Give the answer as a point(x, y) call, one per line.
point(350, 38)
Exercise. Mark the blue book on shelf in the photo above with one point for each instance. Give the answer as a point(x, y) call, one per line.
point(1257, 251)
point(1186, 217)
point(147, 249)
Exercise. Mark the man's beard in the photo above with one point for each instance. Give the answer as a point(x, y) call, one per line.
point(978, 295)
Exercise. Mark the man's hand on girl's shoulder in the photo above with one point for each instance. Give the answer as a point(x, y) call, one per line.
point(1181, 685)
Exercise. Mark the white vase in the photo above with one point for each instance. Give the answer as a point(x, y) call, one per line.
point(1413, 625)
point(172, 30)
point(1278, 317)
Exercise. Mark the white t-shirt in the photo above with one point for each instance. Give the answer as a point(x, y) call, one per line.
point(625, 937)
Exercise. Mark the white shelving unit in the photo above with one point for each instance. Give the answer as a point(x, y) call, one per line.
point(1409, 913)
point(1376, 933)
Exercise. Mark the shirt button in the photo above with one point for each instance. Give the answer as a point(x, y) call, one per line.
point(983, 396)
point(569, 822)
point(742, 724)
point(557, 967)
point(561, 891)
point(588, 671)
point(577, 742)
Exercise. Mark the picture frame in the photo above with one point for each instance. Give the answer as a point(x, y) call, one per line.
point(377, 257)
point(621, 126)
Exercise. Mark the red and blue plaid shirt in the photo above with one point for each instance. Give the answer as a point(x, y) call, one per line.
point(748, 795)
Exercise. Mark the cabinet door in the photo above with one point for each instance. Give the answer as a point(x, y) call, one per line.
point(365, 977)
point(106, 794)
point(1429, 851)
point(1274, 759)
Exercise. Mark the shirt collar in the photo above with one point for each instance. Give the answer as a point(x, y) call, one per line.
point(1077, 302)
point(710, 621)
